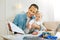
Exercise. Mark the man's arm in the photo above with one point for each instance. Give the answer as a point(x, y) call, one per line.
point(15, 21)
point(18, 18)
point(30, 24)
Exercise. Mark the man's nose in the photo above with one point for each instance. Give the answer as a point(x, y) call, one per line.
point(32, 13)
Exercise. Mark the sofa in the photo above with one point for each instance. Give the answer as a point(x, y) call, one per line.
point(52, 26)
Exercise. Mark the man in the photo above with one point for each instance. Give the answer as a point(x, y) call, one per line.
point(21, 20)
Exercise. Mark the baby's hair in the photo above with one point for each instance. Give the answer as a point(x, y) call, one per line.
point(39, 13)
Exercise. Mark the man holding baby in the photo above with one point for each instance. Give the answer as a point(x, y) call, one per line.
point(22, 20)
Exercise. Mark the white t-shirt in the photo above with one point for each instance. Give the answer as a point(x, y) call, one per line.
point(28, 19)
point(42, 28)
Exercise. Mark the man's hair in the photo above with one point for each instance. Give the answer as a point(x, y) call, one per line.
point(34, 6)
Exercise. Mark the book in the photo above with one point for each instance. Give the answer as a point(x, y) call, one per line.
point(15, 28)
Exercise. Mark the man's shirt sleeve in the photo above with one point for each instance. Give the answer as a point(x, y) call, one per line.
point(15, 21)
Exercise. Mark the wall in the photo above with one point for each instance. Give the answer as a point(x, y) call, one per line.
point(46, 7)
point(57, 10)
point(3, 18)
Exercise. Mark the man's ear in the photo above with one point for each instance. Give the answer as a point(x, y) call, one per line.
point(9, 27)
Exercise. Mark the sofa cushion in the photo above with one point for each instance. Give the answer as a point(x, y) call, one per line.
point(51, 25)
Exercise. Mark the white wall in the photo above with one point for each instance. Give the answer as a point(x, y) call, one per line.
point(2, 17)
point(46, 7)
point(57, 10)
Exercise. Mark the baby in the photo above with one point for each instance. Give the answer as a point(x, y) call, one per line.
point(36, 21)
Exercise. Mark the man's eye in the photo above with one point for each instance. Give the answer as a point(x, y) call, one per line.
point(31, 10)
point(39, 17)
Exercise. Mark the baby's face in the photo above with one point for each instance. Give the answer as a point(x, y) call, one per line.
point(38, 16)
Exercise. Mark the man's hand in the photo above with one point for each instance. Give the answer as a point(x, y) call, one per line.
point(28, 26)
point(36, 26)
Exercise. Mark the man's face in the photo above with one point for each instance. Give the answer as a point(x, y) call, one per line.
point(32, 11)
